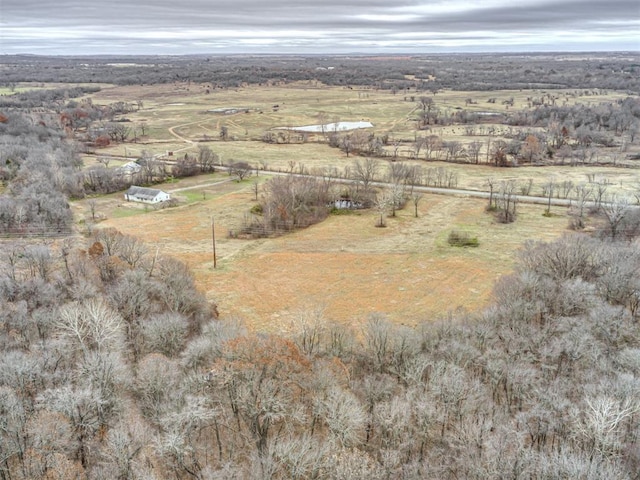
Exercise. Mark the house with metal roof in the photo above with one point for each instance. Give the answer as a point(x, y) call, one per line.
point(146, 195)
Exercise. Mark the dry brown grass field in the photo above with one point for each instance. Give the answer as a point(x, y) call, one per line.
point(344, 266)
point(178, 120)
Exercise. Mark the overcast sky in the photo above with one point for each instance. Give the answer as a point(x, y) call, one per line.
point(66, 27)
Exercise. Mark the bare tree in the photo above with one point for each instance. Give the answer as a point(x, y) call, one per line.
point(124, 446)
point(365, 171)
point(323, 119)
point(39, 261)
point(531, 150)
point(104, 161)
point(499, 153)
point(583, 195)
point(599, 191)
point(547, 190)
point(602, 420)
point(91, 325)
point(206, 159)
point(454, 150)
point(417, 146)
point(143, 128)
point(310, 328)
point(155, 385)
point(110, 239)
point(298, 457)
point(614, 211)
point(474, 151)
point(132, 250)
point(260, 377)
point(224, 133)
point(118, 132)
point(416, 197)
point(492, 184)
point(92, 204)
point(429, 112)
point(565, 187)
point(398, 176)
point(507, 201)
point(240, 170)
point(432, 145)
point(81, 406)
point(165, 333)
point(346, 144)
point(344, 416)
point(382, 203)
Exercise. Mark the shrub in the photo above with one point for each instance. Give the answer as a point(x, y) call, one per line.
point(256, 209)
point(462, 239)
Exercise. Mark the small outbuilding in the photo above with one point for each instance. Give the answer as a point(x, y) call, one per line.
point(129, 168)
point(146, 195)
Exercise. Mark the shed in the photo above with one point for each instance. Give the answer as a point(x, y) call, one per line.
point(146, 195)
point(129, 168)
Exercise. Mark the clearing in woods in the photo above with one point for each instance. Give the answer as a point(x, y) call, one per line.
point(345, 265)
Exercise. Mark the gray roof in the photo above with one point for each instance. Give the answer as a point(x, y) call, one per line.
point(143, 192)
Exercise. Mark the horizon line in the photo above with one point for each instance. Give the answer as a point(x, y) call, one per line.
point(333, 54)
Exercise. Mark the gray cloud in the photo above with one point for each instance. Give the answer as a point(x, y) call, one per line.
point(232, 26)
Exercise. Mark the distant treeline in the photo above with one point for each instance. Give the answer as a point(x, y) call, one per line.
point(45, 97)
point(617, 71)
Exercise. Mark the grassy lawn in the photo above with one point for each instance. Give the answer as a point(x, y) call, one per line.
point(122, 212)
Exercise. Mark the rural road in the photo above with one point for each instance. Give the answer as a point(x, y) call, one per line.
point(481, 194)
point(558, 202)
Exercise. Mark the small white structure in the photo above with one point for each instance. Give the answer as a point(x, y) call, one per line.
point(146, 195)
point(129, 168)
point(329, 127)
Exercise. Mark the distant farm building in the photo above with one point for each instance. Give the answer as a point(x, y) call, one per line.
point(146, 195)
point(329, 127)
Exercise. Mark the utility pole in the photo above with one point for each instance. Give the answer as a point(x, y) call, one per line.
point(213, 236)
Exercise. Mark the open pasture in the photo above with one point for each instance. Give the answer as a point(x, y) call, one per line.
point(196, 115)
point(179, 117)
point(345, 265)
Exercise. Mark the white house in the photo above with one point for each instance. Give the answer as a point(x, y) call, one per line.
point(146, 195)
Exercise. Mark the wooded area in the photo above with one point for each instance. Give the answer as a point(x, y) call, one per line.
point(113, 366)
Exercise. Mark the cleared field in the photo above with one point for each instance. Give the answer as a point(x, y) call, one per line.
point(261, 108)
point(345, 265)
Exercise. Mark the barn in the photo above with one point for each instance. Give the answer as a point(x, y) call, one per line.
point(146, 195)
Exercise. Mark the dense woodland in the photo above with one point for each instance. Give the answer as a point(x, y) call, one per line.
point(114, 366)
